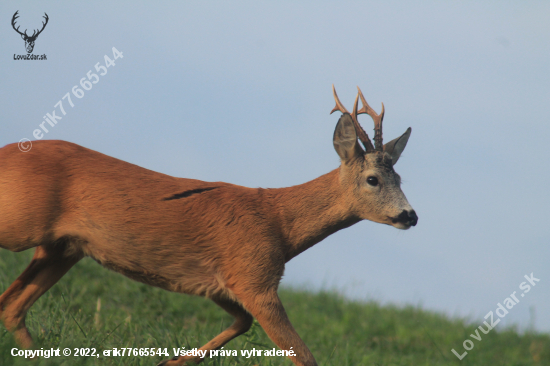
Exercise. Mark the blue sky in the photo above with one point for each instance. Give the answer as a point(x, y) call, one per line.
point(241, 92)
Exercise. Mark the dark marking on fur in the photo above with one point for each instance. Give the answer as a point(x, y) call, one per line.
point(138, 274)
point(188, 193)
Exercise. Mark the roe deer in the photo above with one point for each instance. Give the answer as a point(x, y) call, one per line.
point(218, 240)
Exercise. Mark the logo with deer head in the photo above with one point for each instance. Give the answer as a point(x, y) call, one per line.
point(29, 40)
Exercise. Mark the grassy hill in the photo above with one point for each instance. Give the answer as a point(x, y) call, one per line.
point(339, 332)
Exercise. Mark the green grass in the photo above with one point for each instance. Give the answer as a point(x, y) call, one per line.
point(339, 332)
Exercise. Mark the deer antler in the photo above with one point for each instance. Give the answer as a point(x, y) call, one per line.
point(377, 118)
point(43, 26)
point(15, 16)
point(34, 34)
point(360, 132)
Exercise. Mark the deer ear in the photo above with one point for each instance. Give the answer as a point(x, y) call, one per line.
point(345, 139)
point(395, 147)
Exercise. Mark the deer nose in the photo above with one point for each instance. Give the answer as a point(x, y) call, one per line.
point(413, 217)
point(407, 217)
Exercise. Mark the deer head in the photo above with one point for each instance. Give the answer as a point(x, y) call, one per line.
point(368, 172)
point(29, 40)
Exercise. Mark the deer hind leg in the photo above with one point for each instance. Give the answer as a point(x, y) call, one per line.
point(48, 265)
point(242, 323)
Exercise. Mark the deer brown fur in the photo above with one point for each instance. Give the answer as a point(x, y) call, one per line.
point(222, 241)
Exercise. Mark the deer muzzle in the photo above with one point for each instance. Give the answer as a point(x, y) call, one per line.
point(405, 219)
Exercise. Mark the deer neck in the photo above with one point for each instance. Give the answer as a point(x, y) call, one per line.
point(310, 212)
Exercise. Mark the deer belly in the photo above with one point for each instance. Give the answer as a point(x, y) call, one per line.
point(184, 272)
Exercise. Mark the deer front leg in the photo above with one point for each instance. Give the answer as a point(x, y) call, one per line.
point(270, 313)
point(242, 323)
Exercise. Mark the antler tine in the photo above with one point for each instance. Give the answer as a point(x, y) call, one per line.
point(339, 106)
point(377, 118)
point(360, 132)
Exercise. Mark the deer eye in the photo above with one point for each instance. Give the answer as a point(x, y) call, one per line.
point(373, 181)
